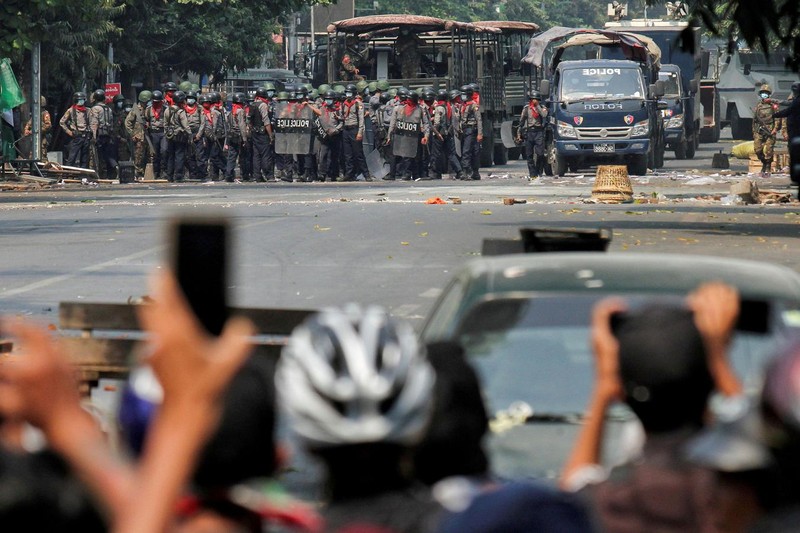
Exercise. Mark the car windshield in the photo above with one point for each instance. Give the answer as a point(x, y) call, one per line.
point(671, 87)
point(533, 355)
point(589, 83)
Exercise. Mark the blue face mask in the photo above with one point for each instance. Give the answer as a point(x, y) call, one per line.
point(328, 102)
point(81, 102)
point(763, 96)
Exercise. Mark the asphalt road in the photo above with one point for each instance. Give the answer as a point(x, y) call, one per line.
point(312, 245)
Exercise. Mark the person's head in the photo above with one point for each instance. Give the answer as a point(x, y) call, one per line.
point(534, 96)
point(452, 446)
point(145, 96)
point(765, 91)
point(79, 98)
point(158, 98)
point(355, 377)
point(796, 89)
point(170, 87)
point(118, 101)
point(179, 97)
point(330, 97)
point(350, 91)
point(99, 96)
point(663, 367)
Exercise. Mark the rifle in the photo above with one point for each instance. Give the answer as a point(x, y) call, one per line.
point(762, 128)
point(93, 148)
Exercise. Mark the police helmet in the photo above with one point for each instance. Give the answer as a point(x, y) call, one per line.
point(282, 96)
point(428, 95)
point(191, 98)
point(383, 85)
point(185, 86)
point(145, 96)
point(118, 98)
point(796, 89)
point(454, 95)
point(442, 94)
point(467, 90)
point(765, 88)
point(403, 93)
point(170, 86)
point(205, 98)
point(534, 95)
point(475, 87)
point(158, 96)
point(99, 96)
point(76, 97)
point(350, 90)
point(413, 96)
point(238, 98)
point(268, 86)
point(179, 97)
point(385, 97)
point(324, 88)
point(329, 95)
point(261, 92)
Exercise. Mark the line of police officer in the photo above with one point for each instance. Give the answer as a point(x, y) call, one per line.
point(299, 134)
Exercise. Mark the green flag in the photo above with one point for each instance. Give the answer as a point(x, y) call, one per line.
point(10, 93)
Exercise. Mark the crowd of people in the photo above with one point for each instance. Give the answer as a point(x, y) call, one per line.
point(300, 133)
point(399, 428)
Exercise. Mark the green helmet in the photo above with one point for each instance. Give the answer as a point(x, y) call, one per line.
point(383, 85)
point(392, 92)
point(324, 88)
point(185, 86)
point(373, 86)
point(145, 96)
point(282, 96)
point(195, 88)
point(314, 94)
point(308, 87)
point(269, 86)
point(360, 86)
point(339, 88)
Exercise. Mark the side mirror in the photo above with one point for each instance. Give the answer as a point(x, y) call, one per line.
point(544, 88)
point(657, 89)
point(694, 85)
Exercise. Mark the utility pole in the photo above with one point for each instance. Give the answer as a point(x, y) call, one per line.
point(110, 69)
point(36, 107)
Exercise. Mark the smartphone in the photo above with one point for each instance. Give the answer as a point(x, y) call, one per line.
point(200, 262)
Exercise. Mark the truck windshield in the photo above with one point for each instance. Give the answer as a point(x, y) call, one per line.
point(601, 82)
point(671, 85)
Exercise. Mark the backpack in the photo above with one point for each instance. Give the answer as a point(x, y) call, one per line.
point(234, 134)
point(105, 122)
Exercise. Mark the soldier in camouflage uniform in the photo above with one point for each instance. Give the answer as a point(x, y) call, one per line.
point(135, 126)
point(765, 129)
point(407, 50)
point(46, 129)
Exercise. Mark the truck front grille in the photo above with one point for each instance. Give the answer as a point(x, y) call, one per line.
point(603, 133)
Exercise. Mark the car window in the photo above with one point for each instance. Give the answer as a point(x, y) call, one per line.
point(443, 316)
point(535, 352)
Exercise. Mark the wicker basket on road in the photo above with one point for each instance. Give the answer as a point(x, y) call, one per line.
point(612, 185)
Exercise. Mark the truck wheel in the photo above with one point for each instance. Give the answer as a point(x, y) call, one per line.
point(711, 135)
point(637, 166)
point(500, 154)
point(691, 147)
point(658, 157)
point(559, 165)
point(681, 148)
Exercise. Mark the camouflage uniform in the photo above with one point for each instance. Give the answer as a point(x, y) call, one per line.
point(134, 126)
point(46, 127)
point(407, 49)
point(765, 128)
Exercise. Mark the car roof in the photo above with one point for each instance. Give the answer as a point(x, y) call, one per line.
point(630, 272)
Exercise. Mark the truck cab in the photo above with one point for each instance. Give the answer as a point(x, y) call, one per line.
point(602, 111)
point(678, 131)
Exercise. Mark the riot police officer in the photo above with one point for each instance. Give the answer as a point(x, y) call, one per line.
point(180, 134)
point(531, 124)
point(237, 134)
point(472, 133)
point(408, 131)
point(353, 135)
point(443, 150)
point(330, 120)
point(101, 120)
point(261, 129)
point(75, 123)
point(765, 129)
point(136, 128)
point(195, 156)
point(154, 117)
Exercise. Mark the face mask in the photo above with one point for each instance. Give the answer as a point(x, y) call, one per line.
point(191, 101)
point(81, 102)
point(764, 96)
point(348, 95)
point(127, 109)
point(328, 102)
point(119, 105)
point(270, 94)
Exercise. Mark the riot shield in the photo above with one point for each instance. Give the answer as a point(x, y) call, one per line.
point(294, 127)
point(507, 134)
point(407, 133)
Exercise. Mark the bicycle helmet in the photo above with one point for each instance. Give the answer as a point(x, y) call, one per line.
point(353, 376)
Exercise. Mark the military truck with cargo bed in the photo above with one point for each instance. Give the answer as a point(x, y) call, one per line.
point(604, 109)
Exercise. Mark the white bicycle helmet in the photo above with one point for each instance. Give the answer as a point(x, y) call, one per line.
point(350, 376)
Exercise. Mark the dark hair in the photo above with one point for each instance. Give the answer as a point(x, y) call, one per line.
point(663, 368)
point(452, 445)
point(243, 446)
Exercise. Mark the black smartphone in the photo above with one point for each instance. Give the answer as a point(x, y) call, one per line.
point(200, 262)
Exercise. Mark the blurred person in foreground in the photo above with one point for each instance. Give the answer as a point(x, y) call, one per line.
point(664, 362)
point(193, 369)
point(359, 391)
point(452, 460)
point(755, 446)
